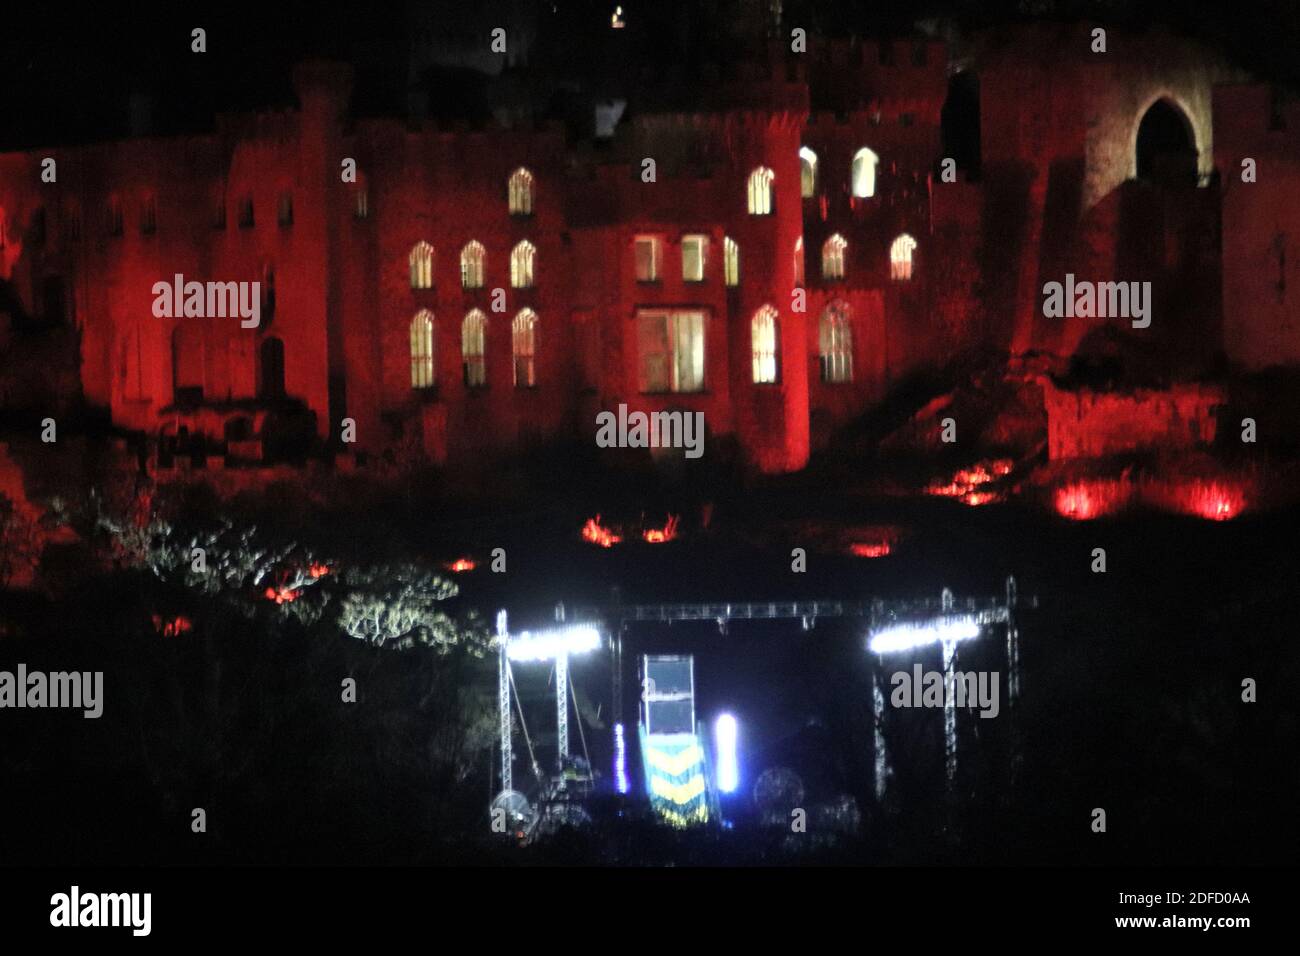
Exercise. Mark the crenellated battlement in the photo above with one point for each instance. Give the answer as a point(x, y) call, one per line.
point(884, 75)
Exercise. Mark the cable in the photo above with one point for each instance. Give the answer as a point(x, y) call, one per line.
point(581, 736)
point(532, 757)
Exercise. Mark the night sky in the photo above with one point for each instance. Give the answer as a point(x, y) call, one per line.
point(68, 75)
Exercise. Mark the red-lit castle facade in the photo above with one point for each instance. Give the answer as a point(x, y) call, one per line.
point(794, 255)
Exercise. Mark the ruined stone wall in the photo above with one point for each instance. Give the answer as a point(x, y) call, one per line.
point(1088, 424)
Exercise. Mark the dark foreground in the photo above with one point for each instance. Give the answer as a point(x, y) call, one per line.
point(1132, 695)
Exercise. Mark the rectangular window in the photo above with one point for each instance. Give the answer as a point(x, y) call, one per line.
point(647, 258)
point(284, 212)
point(693, 252)
point(246, 213)
point(671, 350)
point(148, 217)
point(730, 262)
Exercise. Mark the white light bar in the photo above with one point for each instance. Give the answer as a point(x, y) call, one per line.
point(903, 637)
point(552, 643)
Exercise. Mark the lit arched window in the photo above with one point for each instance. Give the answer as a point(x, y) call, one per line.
point(423, 350)
point(421, 260)
point(765, 339)
point(798, 263)
point(864, 173)
point(730, 262)
point(900, 258)
point(473, 348)
point(760, 191)
point(835, 344)
point(521, 265)
point(521, 193)
point(807, 172)
point(833, 257)
point(523, 336)
point(473, 264)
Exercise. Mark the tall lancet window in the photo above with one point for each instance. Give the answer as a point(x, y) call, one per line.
point(421, 261)
point(473, 265)
point(423, 350)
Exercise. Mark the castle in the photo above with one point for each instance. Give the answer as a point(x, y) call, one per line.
point(778, 255)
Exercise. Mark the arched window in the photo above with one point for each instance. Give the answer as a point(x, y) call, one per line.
point(424, 368)
point(807, 173)
point(900, 258)
point(765, 340)
point(521, 192)
point(835, 344)
point(760, 191)
point(798, 263)
point(521, 265)
point(421, 260)
point(473, 348)
point(833, 257)
point(523, 337)
point(730, 262)
point(864, 173)
point(473, 264)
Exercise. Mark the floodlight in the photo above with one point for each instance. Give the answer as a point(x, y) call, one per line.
point(620, 760)
point(553, 643)
point(724, 736)
point(903, 637)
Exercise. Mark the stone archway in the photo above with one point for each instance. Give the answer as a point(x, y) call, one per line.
point(1164, 145)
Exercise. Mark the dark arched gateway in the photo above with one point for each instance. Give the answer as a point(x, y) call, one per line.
point(1166, 146)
